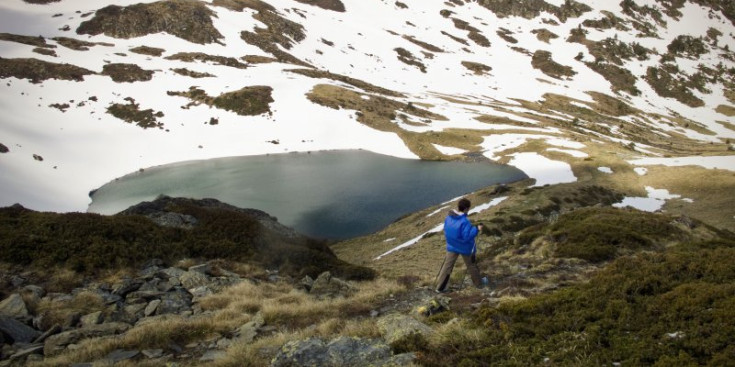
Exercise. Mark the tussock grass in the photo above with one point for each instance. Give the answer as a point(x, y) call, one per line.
point(158, 333)
point(61, 311)
point(726, 110)
point(281, 304)
point(294, 313)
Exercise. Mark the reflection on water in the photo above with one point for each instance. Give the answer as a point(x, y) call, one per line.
point(334, 194)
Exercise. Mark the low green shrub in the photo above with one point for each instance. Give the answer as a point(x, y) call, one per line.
point(600, 234)
point(88, 243)
point(653, 308)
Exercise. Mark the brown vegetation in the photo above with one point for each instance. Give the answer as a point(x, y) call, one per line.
point(202, 57)
point(253, 100)
point(131, 113)
point(186, 19)
point(37, 70)
point(127, 73)
point(146, 50)
point(542, 60)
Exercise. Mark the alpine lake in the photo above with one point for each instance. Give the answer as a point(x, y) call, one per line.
point(330, 194)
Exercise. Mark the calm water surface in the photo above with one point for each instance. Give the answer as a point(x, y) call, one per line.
point(334, 194)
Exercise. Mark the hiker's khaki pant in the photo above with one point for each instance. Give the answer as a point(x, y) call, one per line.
point(448, 265)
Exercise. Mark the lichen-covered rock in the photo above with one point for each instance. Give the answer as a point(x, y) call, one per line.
point(14, 306)
point(176, 301)
point(343, 351)
point(434, 306)
point(403, 332)
point(327, 286)
point(193, 279)
point(93, 318)
point(248, 332)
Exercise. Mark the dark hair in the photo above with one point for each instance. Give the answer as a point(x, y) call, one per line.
point(463, 204)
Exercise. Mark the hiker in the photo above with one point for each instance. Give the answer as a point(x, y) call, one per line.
point(460, 235)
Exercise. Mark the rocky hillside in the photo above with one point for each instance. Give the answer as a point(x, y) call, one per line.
point(593, 285)
point(166, 229)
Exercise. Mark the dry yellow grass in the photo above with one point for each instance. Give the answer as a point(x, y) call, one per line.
point(456, 333)
point(294, 313)
point(726, 110)
point(59, 311)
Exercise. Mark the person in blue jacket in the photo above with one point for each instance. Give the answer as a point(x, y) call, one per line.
point(460, 235)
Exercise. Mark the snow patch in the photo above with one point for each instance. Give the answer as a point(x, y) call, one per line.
point(486, 206)
point(573, 153)
point(712, 162)
point(605, 170)
point(437, 211)
point(655, 200)
point(544, 170)
point(412, 241)
point(448, 150)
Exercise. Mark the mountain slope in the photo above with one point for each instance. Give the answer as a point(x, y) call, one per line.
point(94, 90)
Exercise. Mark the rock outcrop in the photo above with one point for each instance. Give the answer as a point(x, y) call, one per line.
point(343, 351)
point(155, 292)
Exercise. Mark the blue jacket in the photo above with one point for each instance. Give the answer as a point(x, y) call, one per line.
point(460, 234)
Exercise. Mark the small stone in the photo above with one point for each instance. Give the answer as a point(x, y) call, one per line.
point(14, 307)
point(224, 343)
point(202, 268)
point(33, 349)
point(121, 355)
point(17, 281)
point(16, 332)
point(193, 279)
point(201, 291)
point(33, 291)
point(397, 328)
point(51, 331)
point(152, 353)
point(93, 318)
point(150, 309)
point(213, 355)
point(173, 272)
point(248, 332)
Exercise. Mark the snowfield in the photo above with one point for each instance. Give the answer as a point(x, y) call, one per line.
point(82, 147)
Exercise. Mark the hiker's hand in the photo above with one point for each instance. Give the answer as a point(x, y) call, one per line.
point(479, 227)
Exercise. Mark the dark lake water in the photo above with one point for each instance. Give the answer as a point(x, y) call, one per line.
point(332, 194)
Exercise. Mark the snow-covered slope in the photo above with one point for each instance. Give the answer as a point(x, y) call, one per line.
point(444, 78)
